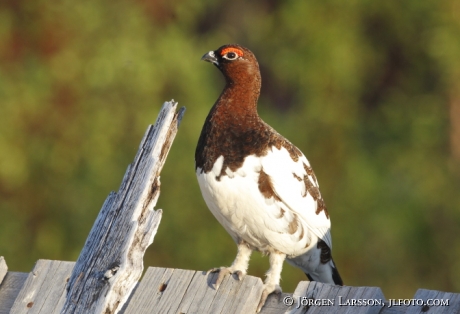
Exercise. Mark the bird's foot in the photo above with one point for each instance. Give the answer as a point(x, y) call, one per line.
point(268, 289)
point(223, 271)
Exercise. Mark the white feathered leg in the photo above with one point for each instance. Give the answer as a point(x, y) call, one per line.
point(239, 265)
point(272, 282)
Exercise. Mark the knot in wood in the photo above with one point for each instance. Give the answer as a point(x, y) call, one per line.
point(111, 272)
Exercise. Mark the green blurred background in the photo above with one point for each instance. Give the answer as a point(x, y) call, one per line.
point(368, 90)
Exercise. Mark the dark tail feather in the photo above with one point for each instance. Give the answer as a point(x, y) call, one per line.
point(326, 258)
point(335, 276)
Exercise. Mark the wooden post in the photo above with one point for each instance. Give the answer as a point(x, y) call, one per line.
point(111, 261)
point(3, 268)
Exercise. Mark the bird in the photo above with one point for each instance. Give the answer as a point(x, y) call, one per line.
point(258, 185)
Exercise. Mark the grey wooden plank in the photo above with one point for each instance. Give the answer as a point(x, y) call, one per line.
point(223, 294)
point(186, 291)
point(208, 292)
point(43, 288)
point(302, 290)
point(276, 304)
point(454, 302)
point(200, 294)
point(313, 291)
point(245, 296)
point(433, 302)
point(328, 293)
point(372, 300)
point(62, 296)
point(233, 296)
point(57, 291)
point(317, 298)
point(199, 301)
point(150, 291)
point(3, 268)
point(392, 310)
point(173, 290)
point(9, 290)
point(194, 295)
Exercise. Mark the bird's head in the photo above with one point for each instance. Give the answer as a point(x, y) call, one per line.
point(235, 62)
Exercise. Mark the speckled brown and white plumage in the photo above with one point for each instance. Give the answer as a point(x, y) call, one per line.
point(258, 185)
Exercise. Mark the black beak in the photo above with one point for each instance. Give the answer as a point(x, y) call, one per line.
point(210, 57)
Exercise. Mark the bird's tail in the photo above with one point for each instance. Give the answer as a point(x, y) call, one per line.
point(318, 264)
point(327, 273)
point(336, 276)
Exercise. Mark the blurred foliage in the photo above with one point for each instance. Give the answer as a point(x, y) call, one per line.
point(366, 89)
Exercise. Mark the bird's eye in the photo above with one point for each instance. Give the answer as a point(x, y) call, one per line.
point(230, 55)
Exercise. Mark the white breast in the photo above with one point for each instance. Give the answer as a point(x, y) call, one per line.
point(288, 225)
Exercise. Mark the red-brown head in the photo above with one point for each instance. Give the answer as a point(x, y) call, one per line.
point(238, 64)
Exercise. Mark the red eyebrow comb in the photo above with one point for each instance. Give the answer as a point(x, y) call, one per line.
point(239, 52)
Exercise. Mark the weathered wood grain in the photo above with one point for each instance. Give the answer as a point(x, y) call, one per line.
point(237, 296)
point(317, 298)
point(188, 291)
point(43, 288)
point(165, 290)
point(392, 310)
point(275, 304)
point(111, 261)
point(432, 302)
point(9, 289)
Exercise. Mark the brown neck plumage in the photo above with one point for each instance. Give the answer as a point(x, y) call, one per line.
point(242, 89)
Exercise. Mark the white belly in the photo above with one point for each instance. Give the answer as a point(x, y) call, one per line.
point(237, 203)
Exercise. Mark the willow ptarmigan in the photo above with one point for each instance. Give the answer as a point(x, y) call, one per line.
point(258, 185)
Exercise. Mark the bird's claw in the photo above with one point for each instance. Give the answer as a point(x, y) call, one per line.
point(266, 292)
point(239, 274)
point(224, 271)
point(214, 270)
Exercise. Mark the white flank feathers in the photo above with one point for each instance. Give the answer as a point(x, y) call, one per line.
point(288, 224)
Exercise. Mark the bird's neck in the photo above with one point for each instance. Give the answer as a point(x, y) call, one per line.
point(238, 100)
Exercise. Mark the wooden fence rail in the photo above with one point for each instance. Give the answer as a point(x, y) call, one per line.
point(165, 290)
